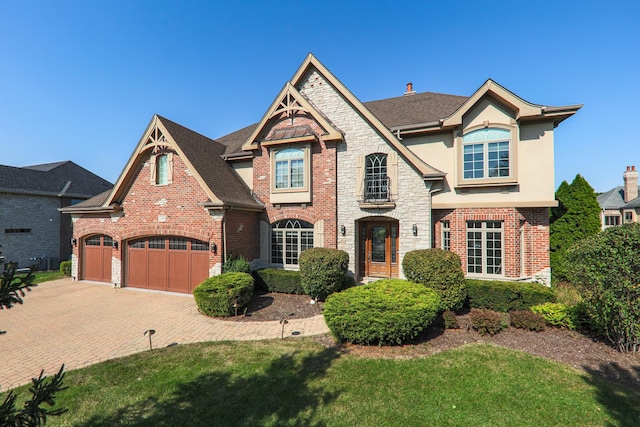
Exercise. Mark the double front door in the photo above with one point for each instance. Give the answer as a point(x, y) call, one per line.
point(379, 249)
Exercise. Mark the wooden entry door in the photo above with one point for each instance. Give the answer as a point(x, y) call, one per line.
point(380, 249)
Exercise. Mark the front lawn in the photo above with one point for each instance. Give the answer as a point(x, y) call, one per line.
point(299, 382)
point(45, 276)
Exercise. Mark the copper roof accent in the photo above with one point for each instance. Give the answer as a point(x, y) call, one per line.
point(289, 132)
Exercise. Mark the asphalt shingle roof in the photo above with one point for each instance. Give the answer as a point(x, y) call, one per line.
point(52, 179)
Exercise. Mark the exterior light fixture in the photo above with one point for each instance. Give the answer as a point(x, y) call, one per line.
point(74, 242)
point(214, 249)
point(115, 244)
point(343, 230)
point(415, 229)
point(148, 333)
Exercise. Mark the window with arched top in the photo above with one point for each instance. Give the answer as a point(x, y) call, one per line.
point(289, 237)
point(486, 154)
point(376, 179)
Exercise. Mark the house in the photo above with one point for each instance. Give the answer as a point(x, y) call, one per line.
point(32, 230)
point(473, 175)
point(621, 204)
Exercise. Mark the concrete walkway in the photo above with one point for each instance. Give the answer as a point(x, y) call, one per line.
point(79, 324)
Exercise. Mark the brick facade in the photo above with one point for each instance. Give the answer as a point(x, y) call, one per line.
point(525, 237)
point(168, 210)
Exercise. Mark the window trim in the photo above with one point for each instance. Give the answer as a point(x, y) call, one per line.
point(617, 222)
point(304, 226)
point(445, 234)
point(291, 195)
point(484, 230)
point(487, 181)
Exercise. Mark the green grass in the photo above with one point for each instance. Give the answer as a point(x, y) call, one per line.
point(45, 276)
point(298, 382)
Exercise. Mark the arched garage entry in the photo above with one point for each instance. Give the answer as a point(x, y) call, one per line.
point(166, 263)
point(97, 251)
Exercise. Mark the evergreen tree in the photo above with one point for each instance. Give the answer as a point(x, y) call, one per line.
point(576, 217)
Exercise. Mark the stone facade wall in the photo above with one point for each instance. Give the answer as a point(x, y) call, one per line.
point(38, 214)
point(524, 230)
point(149, 210)
point(413, 202)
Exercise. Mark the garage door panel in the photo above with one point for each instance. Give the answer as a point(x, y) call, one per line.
point(178, 272)
point(199, 268)
point(157, 269)
point(137, 267)
point(97, 258)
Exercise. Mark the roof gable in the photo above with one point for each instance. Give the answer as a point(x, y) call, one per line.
point(200, 154)
point(289, 102)
point(311, 63)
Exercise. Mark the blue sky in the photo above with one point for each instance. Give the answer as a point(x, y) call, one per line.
point(80, 80)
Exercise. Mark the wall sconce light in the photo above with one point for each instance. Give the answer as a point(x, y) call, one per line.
point(115, 244)
point(415, 229)
point(343, 230)
point(214, 249)
point(74, 242)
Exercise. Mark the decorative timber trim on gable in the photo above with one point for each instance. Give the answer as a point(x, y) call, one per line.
point(289, 103)
point(311, 62)
point(156, 138)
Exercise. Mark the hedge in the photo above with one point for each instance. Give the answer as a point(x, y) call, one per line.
point(275, 280)
point(507, 296)
point(217, 295)
point(65, 268)
point(388, 311)
point(322, 271)
point(439, 270)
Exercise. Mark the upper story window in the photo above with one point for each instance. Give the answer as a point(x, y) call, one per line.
point(487, 154)
point(161, 168)
point(289, 169)
point(376, 180)
point(162, 165)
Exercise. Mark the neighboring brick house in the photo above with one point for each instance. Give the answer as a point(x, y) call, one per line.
point(470, 174)
point(621, 205)
point(32, 230)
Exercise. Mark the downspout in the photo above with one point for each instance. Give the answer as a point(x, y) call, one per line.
point(224, 236)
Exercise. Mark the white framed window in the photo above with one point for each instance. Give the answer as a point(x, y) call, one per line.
point(162, 169)
point(289, 169)
point(445, 233)
point(628, 217)
point(289, 237)
point(611, 220)
point(485, 248)
point(486, 154)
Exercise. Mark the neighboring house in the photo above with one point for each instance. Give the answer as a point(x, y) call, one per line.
point(32, 230)
point(379, 179)
point(621, 204)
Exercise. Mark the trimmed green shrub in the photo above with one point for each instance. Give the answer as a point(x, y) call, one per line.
point(507, 296)
point(322, 271)
point(388, 311)
point(65, 268)
point(606, 270)
point(217, 295)
point(525, 319)
point(486, 321)
point(236, 264)
point(556, 314)
point(275, 280)
point(450, 320)
point(439, 270)
point(347, 282)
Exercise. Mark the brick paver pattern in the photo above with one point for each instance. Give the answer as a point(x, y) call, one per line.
point(80, 323)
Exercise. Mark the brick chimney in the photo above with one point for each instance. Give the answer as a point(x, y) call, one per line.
point(630, 177)
point(410, 90)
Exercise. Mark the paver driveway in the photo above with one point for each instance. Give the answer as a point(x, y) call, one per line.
point(79, 323)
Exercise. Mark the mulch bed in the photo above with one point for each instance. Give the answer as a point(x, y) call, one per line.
point(571, 348)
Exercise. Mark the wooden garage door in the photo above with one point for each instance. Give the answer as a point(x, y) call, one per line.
point(97, 258)
point(173, 264)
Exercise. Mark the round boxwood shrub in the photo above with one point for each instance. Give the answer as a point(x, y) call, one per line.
point(389, 311)
point(439, 270)
point(322, 271)
point(65, 268)
point(217, 295)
